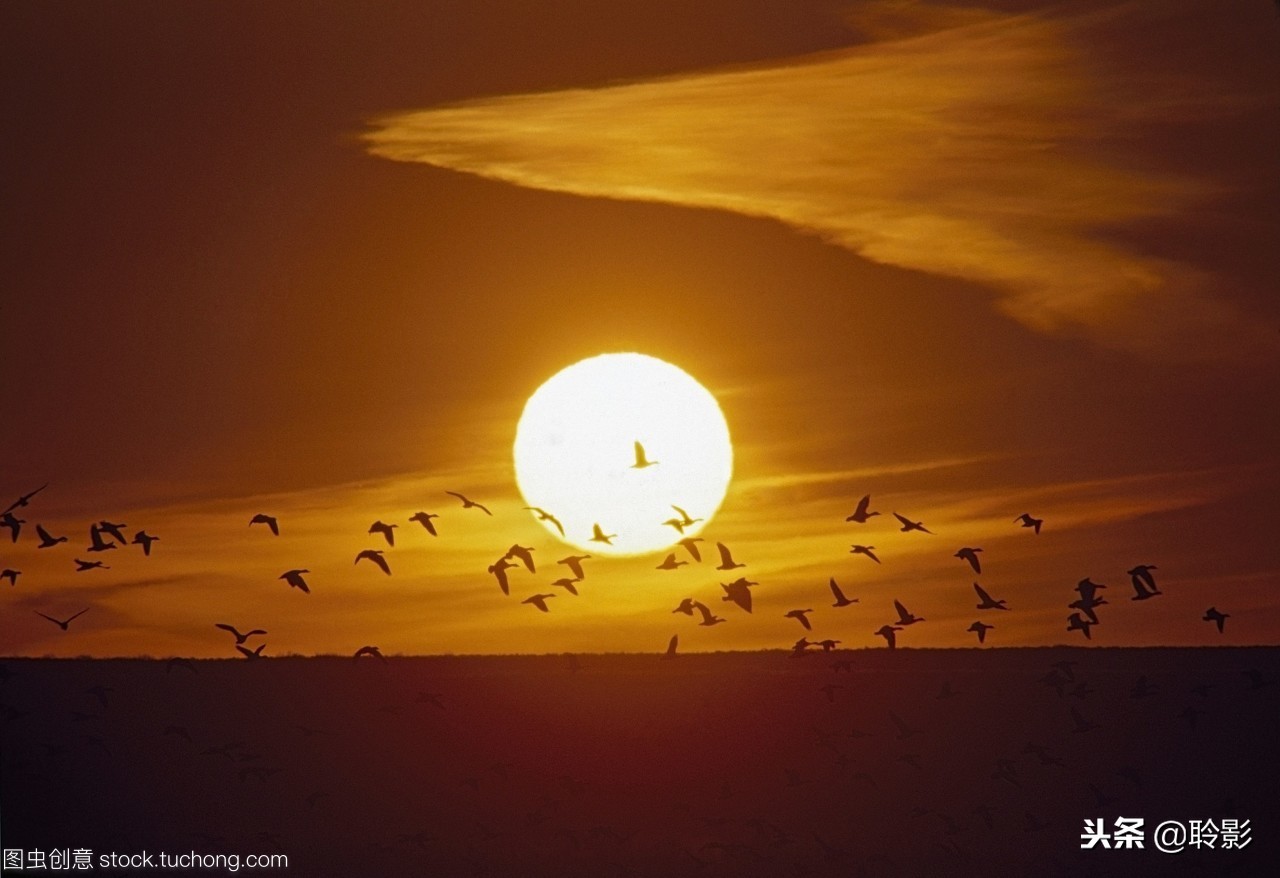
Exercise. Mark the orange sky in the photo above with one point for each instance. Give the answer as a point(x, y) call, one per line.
point(975, 261)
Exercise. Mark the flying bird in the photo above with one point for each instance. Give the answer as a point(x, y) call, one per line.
point(574, 563)
point(424, 519)
point(116, 531)
point(641, 461)
point(82, 566)
point(11, 575)
point(980, 629)
point(708, 618)
point(144, 539)
point(599, 536)
point(671, 647)
point(374, 555)
point(686, 607)
point(1144, 584)
point(800, 616)
point(61, 623)
point(569, 585)
point(726, 559)
point(240, 638)
point(683, 521)
point(909, 525)
point(841, 600)
point(1076, 622)
point(1026, 520)
point(864, 550)
point(47, 540)
point(369, 651)
point(1213, 615)
point(499, 570)
point(468, 503)
point(544, 515)
point(524, 553)
point(295, 580)
point(887, 632)
point(691, 544)
point(861, 514)
point(904, 617)
point(96, 542)
point(387, 530)
point(268, 520)
point(25, 499)
point(970, 555)
point(738, 591)
point(12, 522)
point(987, 601)
point(670, 563)
point(538, 600)
point(251, 653)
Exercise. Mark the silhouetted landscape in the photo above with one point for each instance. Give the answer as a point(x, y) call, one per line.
point(848, 763)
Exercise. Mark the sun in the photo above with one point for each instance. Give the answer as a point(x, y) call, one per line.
point(621, 440)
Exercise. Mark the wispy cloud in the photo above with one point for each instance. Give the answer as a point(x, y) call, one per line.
point(981, 146)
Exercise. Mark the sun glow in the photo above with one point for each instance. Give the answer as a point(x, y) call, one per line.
point(576, 455)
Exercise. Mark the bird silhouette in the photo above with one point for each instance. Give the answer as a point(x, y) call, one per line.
point(980, 629)
point(841, 600)
point(909, 525)
point(671, 647)
point(524, 553)
point(1214, 615)
point(387, 530)
point(61, 623)
point(738, 591)
point(116, 531)
point(569, 585)
point(96, 542)
point(269, 520)
point(887, 632)
point(970, 555)
point(987, 602)
point(861, 514)
point(1144, 584)
point(904, 731)
point(904, 617)
point(82, 566)
point(599, 536)
point(538, 600)
point(240, 638)
point(1026, 520)
point(372, 651)
point(14, 524)
point(25, 499)
point(47, 540)
point(468, 503)
point(682, 522)
point(641, 461)
point(686, 607)
point(670, 563)
point(374, 555)
point(864, 550)
point(144, 539)
point(1076, 622)
point(295, 580)
point(10, 574)
point(726, 559)
point(251, 653)
point(708, 618)
point(424, 519)
point(499, 570)
point(544, 515)
point(574, 563)
point(691, 546)
point(1081, 724)
point(800, 616)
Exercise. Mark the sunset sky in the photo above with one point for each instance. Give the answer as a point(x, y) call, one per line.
point(974, 260)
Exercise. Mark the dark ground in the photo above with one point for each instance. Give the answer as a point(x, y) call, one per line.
point(709, 765)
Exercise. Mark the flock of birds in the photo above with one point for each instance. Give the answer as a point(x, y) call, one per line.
point(106, 535)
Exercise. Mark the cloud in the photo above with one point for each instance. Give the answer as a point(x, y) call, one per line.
point(982, 146)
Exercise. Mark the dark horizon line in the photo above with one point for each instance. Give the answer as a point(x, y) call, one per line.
point(721, 652)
